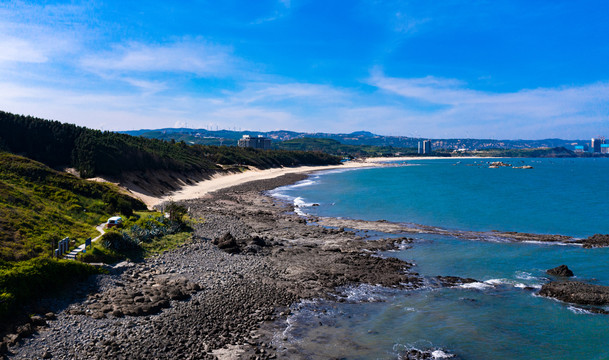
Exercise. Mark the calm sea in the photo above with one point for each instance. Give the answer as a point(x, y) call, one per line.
point(498, 318)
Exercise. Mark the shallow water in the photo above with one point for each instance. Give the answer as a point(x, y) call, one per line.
point(498, 318)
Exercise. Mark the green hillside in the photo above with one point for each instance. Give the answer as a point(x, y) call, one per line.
point(94, 153)
point(39, 204)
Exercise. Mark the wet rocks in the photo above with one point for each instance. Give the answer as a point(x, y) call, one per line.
point(576, 292)
point(561, 270)
point(450, 281)
point(596, 240)
point(416, 354)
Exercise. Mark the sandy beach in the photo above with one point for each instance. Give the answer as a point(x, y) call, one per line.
point(222, 181)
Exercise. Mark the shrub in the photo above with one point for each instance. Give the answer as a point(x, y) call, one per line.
point(25, 281)
point(118, 241)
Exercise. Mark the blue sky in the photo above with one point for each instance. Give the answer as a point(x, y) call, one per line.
point(440, 69)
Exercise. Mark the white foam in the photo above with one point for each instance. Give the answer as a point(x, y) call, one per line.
point(495, 282)
point(523, 275)
point(365, 293)
point(476, 285)
point(556, 243)
point(299, 202)
point(439, 354)
point(579, 311)
point(404, 245)
point(303, 183)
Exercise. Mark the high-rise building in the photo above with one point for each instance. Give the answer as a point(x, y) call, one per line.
point(595, 144)
point(259, 142)
point(425, 147)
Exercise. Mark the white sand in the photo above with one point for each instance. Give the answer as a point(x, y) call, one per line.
point(222, 181)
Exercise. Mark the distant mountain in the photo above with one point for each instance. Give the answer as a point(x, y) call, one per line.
point(228, 137)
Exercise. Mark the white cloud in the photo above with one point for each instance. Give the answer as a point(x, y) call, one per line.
point(20, 50)
point(193, 57)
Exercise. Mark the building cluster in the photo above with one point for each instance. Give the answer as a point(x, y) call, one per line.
point(597, 146)
point(425, 147)
point(259, 142)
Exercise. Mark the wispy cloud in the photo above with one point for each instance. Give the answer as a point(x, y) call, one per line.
point(20, 50)
point(312, 94)
point(187, 56)
point(532, 113)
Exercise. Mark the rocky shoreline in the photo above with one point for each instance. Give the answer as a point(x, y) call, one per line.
point(250, 258)
point(204, 300)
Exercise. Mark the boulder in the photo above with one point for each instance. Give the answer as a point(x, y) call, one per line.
point(228, 243)
point(561, 270)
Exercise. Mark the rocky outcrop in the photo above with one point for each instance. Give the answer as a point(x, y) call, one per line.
point(562, 270)
point(596, 240)
point(251, 245)
point(576, 292)
point(498, 164)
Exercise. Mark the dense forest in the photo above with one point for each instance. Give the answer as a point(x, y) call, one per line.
point(93, 152)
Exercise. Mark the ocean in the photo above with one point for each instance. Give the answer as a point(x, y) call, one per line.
point(499, 317)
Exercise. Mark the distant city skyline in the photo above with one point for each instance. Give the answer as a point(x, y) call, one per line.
point(502, 70)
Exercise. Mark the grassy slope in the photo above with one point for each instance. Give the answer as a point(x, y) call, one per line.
point(38, 204)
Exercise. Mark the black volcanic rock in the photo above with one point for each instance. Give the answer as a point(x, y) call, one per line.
point(576, 292)
point(561, 270)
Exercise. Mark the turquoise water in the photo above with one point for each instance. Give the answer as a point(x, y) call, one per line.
point(558, 196)
point(501, 317)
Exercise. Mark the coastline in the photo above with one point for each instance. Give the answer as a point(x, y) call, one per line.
point(224, 181)
point(247, 285)
point(225, 289)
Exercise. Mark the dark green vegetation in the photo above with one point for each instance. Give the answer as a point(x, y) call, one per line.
point(39, 205)
point(93, 152)
point(336, 148)
point(144, 234)
point(21, 282)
